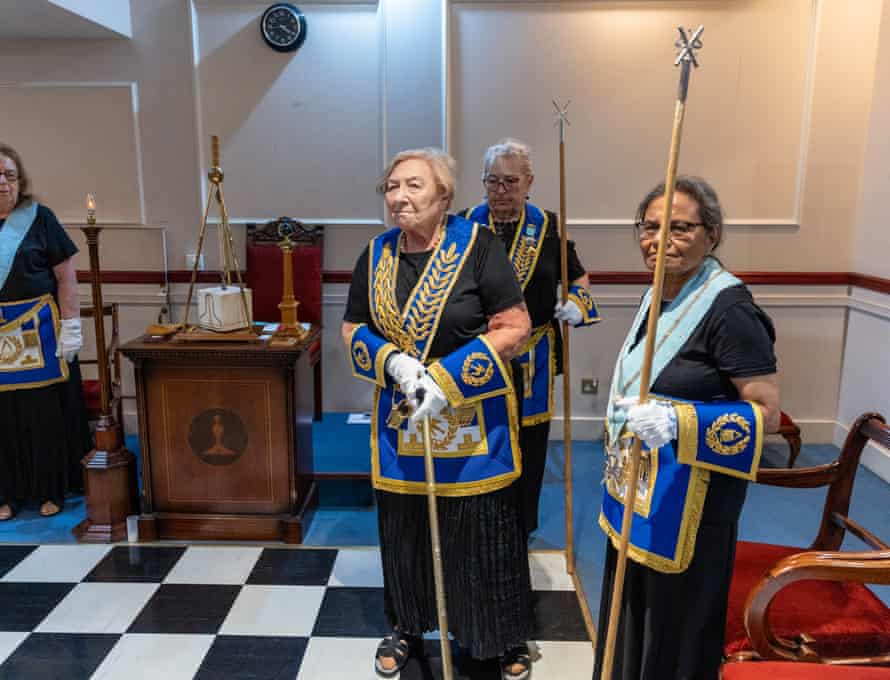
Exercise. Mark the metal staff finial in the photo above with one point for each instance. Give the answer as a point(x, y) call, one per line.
point(688, 45)
point(562, 118)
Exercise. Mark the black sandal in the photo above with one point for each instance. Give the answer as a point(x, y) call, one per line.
point(516, 656)
point(398, 646)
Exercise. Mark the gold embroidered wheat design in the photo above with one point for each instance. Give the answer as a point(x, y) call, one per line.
point(431, 296)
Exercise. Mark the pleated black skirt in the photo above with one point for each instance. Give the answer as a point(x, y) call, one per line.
point(44, 436)
point(672, 625)
point(485, 564)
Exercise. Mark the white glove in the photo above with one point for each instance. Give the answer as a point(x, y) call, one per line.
point(655, 422)
point(568, 312)
point(433, 398)
point(406, 371)
point(70, 340)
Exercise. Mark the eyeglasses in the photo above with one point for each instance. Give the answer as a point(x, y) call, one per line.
point(508, 182)
point(679, 229)
point(10, 175)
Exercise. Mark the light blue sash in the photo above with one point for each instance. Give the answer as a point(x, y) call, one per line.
point(675, 325)
point(11, 236)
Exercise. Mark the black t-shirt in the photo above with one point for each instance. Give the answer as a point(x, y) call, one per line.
point(734, 340)
point(542, 290)
point(485, 286)
point(45, 245)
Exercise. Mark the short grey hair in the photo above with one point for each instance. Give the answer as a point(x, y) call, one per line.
point(702, 193)
point(511, 148)
point(443, 166)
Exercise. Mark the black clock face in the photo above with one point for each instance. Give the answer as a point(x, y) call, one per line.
point(283, 27)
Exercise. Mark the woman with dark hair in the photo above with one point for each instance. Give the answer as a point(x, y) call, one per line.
point(434, 317)
point(714, 396)
point(42, 411)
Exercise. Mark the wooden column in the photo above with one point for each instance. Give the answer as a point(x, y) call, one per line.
point(109, 469)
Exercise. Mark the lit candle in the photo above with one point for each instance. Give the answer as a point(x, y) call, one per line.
point(91, 209)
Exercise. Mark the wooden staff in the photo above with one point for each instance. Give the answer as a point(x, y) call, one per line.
point(686, 60)
point(566, 380)
point(438, 575)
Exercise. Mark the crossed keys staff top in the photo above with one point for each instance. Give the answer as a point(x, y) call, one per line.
point(688, 45)
point(562, 118)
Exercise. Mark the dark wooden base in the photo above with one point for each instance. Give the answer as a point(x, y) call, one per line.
point(109, 474)
point(219, 527)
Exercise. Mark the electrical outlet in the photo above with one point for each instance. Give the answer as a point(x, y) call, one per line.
point(589, 385)
point(190, 262)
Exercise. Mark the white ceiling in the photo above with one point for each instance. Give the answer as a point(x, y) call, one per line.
point(30, 19)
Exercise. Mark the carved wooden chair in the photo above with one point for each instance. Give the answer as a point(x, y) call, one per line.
point(91, 387)
point(264, 278)
point(811, 605)
point(789, 430)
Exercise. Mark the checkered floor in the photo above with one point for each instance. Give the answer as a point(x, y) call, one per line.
point(214, 612)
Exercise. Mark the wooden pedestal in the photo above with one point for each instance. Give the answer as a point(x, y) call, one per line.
point(226, 438)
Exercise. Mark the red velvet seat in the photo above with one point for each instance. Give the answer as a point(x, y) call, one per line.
point(845, 619)
point(811, 604)
point(779, 670)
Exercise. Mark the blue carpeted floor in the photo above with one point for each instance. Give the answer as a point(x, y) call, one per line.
point(773, 515)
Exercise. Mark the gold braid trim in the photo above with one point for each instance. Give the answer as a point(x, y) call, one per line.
point(385, 303)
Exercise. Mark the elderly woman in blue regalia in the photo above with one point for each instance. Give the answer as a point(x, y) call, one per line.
point(435, 315)
point(714, 396)
point(42, 412)
point(531, 236)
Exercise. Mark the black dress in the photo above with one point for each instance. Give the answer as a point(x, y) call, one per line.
point(45, 429)
point(541, 296)
point(483, 539)
point(672, 625)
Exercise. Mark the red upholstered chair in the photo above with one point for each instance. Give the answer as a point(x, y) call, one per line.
point(791, 432)
point(811, 605)
point(91, 387)
point(264, 278)
point(782, 670)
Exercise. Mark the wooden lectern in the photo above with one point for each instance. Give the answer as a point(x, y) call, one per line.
point(226, 433)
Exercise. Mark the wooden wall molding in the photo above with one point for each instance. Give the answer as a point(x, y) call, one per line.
point(598, 278)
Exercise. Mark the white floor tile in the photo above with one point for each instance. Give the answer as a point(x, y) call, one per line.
point(357, 569)
point(98, 608)
point(8, 643)
point(274, 610)
point(218, 565)
point(563, 660)
point(149, 657)
point(548, 571)
point(58, 563)
point(339, 659)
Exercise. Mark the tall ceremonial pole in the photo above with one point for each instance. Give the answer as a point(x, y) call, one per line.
point(435, 543)
point(685, 60)
point(566, 380)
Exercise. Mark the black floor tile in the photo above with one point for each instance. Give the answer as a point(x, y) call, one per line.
point(11, 555)
point(429, 666)
point(352, 612)
point(24, 605)
point(45, 656)
point(283, 567)
point(179, 608)
point(558, 616)
point(253, 658)
point(136, 564)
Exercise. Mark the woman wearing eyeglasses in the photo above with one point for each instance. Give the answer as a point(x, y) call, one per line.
point(714, 396)
point(531, 236)
point(42, 412)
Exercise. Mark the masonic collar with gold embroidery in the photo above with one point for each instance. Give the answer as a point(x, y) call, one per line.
point(526, 246)
point(413, 328)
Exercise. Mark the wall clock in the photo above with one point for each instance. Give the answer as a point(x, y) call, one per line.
point(283, 27)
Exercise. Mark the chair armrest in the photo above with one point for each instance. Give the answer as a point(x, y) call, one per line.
point(858, 567)
point(800, 478)
point(859, 531)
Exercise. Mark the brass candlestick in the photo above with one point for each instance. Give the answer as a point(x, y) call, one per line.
point(289, 326)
